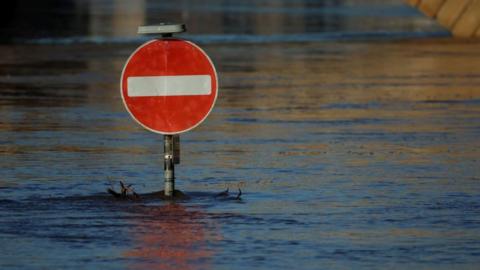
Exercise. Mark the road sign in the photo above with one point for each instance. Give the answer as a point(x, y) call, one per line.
point(169, 86)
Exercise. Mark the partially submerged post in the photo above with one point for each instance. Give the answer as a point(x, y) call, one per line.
point(167, 30)
point(171, 149)
point(169, 86)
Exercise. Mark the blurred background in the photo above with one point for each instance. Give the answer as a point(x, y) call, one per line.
point(117, 20)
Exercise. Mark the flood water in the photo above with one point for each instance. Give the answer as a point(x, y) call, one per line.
point(351, 127)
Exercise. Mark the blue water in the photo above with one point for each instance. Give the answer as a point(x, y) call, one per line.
point(351, 128)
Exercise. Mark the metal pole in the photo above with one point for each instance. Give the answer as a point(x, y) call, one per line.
point(169, 166)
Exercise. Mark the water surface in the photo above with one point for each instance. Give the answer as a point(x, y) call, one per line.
point(351, 152)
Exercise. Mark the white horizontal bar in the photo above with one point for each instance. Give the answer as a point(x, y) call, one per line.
point(157, 86)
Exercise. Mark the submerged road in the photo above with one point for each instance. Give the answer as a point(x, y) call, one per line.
point(351, 127)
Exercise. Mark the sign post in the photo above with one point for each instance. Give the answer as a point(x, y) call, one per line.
point(169, 166)
point(169, 86)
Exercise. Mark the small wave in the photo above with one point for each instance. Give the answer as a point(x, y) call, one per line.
point(240, 38)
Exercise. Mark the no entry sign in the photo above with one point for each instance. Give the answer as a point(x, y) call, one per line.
point(169, 86)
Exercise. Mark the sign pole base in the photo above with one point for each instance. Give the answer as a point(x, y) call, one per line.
point(169, 166)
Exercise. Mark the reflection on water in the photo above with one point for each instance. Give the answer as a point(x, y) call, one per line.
point(170, 236)
point(352, 153)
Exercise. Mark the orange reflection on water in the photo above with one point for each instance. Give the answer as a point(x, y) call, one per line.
point(170, 237)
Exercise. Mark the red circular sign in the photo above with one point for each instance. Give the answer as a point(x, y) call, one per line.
point(169, 86)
